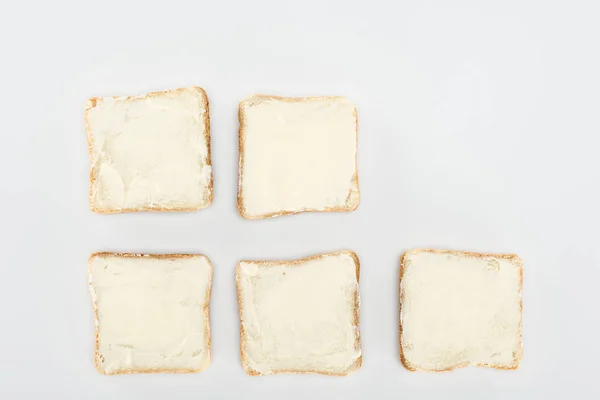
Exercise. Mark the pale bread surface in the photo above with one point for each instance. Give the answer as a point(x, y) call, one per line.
point(151, 312)
point(459, 309)
point(150, 152)
point(300, 316)
point(297, 155)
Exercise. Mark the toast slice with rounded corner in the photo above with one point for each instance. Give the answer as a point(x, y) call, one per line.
point(150, 152)
point(297, 155)
point(151, 312)
point(460, 309)
point(300, 316)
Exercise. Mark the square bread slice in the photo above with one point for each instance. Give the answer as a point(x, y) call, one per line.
point(297, 155)
point(150, 152)
point(151, 312)
point(300, 316)
point(459, 309)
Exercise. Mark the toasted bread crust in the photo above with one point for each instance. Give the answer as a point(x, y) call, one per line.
point(353, 199)
point(98, 358)
point(92, 102)
point(357, 343)
point(511, 257)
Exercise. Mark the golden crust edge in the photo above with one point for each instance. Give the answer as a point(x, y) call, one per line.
point(206, 311)
point(93, 102)
point(511, 257)
point(353, 195)
point(357, 363)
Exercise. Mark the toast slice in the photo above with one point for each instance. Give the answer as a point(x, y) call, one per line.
point(297, 155)
point(151, 312)
point(150, 152)
point(459, 309)
point(300, 316)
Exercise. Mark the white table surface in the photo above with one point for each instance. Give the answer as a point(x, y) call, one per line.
point(478, 130)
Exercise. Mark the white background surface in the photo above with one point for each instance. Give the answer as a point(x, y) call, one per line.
point(478, 131)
